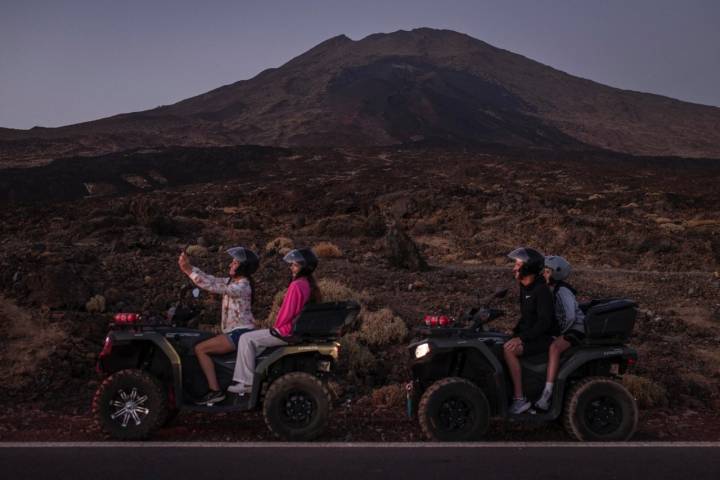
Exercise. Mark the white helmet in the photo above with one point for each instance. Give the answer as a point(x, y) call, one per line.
point(560, 267)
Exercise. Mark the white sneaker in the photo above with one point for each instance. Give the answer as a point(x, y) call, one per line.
point(543, 404)
point(519, 405)
point(239, 388)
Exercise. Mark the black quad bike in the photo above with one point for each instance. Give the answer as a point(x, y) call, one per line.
point(152, 373)
point(460, 380)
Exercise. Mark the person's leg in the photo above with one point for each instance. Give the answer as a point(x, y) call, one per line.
point(216, 345)
point(512, 359)
point(513, 364)
point(250, 345)
point(558, 346)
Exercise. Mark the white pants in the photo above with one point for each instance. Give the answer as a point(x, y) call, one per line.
point(250, 345)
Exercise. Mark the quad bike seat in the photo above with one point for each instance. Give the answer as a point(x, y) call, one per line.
point(322, 322)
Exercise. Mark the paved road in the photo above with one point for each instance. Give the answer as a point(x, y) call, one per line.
point(316, 461)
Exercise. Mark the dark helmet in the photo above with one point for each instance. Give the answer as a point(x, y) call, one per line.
point(249, 261)
point(305, 257)
point(533, 261)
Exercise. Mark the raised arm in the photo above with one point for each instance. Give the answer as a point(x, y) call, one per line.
point(208, 282)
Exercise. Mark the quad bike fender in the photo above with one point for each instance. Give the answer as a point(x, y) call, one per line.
point(444, 346)
point(620, 355)
point(123, 338)
point(263, 366)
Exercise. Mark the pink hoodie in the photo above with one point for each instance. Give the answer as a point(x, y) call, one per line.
point(297, 295)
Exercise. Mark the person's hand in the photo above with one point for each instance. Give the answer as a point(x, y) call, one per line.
point(514, 345)
point(184, 263)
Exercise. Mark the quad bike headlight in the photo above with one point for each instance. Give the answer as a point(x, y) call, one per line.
point(422, 350)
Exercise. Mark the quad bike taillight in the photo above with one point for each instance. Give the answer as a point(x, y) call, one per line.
point(126, 318)
point(437, 320)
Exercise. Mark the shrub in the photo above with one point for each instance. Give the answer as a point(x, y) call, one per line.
point(335, 291)
point(382, 328)
point(647, 393)
point(95, 304)
point(196, 251)
point(274, 309)
point(355, 356)
point(389, 397)
point(327, 250)
point(281, 245)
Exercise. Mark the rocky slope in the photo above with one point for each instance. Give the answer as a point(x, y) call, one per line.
point(649, 232)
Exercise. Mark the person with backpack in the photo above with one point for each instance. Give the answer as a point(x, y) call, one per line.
point(570, 319)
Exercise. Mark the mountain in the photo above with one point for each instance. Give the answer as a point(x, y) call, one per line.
point(421, 86)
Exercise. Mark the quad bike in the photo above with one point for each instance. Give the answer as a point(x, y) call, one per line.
point(459, 379)
point(151, 373)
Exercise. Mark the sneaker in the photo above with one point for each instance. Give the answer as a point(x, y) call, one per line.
point(211, 398)
point(519, 405)
point(239, 388)
point(543, 404)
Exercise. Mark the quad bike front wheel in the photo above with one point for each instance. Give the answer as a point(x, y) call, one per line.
point(297, 407)
point(129, 405)
point(600, 409)
point(453, 410)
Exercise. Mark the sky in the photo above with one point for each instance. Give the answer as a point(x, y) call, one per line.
point(64, 62)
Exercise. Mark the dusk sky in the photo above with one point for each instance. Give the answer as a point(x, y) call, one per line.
point(64, 62)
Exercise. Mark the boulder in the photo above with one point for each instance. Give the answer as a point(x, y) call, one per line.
point(401, 251)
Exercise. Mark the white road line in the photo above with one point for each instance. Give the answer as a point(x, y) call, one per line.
point(354, 445)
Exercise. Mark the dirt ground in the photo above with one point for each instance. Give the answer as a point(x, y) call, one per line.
point(642, 228)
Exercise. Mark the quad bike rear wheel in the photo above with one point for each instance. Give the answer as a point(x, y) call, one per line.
point(453, 410)
point(297, 406)
point(129, 405)
point(600, 409)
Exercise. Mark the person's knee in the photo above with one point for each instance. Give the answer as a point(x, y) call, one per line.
point(200, 348)
point(244, 341)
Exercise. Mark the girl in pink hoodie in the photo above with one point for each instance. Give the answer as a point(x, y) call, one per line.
point(302, 289)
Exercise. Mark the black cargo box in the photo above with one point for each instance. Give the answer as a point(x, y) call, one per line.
point(609, 319)
point(325, 320)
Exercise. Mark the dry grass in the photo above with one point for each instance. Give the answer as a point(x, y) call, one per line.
point(281, 245)
point(327, 250)
point(389, 397)
point(356, 356)
point(647, 393)
point(196, 251)
point(27, 342)
point(335, 291)
point(96, 304)
point(382, 328)
point(274, 309)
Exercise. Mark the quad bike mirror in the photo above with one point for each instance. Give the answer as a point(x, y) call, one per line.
point(195, 292)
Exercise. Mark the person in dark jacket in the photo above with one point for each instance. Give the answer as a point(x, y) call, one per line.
point(533, 332)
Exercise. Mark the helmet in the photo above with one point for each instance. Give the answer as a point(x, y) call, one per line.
point(303, 256)
point(249, 261)
point(533, 261)
point(559, 266)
